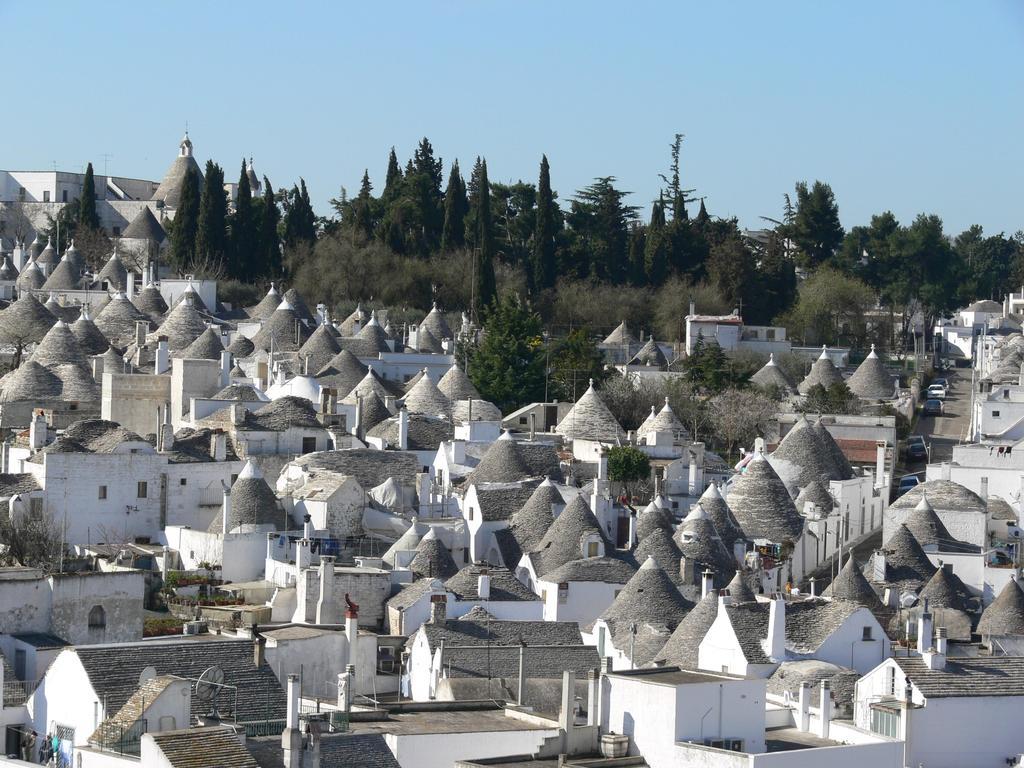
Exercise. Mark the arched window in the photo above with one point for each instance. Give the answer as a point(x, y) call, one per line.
point(97, 617)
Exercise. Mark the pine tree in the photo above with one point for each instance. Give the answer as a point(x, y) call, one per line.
point(269, 242)
point(508, 366)
point(423, 185)
point(362, 209)
point(212, 235)
point(244, 256)
point(307, 222)
point(393, 179)
point(453, 235)
point(544, 270)
point(637, 254)
point(485, 286)
point(87, 215)
point(299, 219)
point(656, 249)
point(186, 223)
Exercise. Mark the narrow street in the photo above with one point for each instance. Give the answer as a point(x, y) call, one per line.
point(941, 433)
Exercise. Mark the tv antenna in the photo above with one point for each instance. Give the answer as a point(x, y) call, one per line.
point(106, 156)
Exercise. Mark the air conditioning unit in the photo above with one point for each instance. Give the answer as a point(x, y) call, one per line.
point(194, 628)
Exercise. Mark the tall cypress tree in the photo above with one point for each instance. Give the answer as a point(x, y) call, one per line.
point(212, 236)
point(243, 230)
point(393, 178)
point(486, 285)
point(656, 249)
point(269, 242)
point(424, 189)
point(362, 209)
point(87, 215)
point(453, 234)
point(186, 223)
point(544, 271)
point(307, 219)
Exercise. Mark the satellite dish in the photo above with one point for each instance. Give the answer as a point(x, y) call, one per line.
point(209, 684)
point(147, 674)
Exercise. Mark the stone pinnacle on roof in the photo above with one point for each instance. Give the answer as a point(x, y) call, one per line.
point(762, 505)
point(871, 381)
point(822, 372)
point(664, 420)
point(1005, 614)
point(590, 419)
point(267, 305)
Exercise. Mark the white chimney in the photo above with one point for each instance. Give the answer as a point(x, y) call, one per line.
point(878, 566)
point(632, 531)
point(804, 723)
point(291, 738)
point(483, 585)
point(403, 430)
point(292, 720)
point(924, 629)
point(225, 507)
point(984, 489)
point(936, 659)
point(307, 526)
point(218, 446)
point(438, 608)
point(166, 430)
point(37, 431)
point(326, 611)
point(814, 588)
point(130, 287)
point(776, 641)
point(165, 562)
point(826, 709)
point(707, 582)
point(225, 368)
point(162, 362)
point(346, 680)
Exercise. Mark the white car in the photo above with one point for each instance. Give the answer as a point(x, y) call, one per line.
point(937, 392)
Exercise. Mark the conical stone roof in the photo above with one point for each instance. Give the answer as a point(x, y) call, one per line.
point(930, 531)
point(650, 354)
point(267, 305)
point(590, 419)
point(712, 502)
point(90, 338)
point(117, 320)
point(372, 412)
point(370, 341)
point(682, 647)
point(665, 420)
point(48, 256)
point(871, 381)
point(762, 505)
point(348, 327)
point(252, 502)
point(114, 273)
point(78, 384)
point(839, 460)
point(455, 385)
point(241, 347)
point(660, 545)
point(319, 349)
point(183, 325)
point(481, 410)
point(144, 227)
point(426, 342)
point(30, 381)
point(369, 385)
point(770, 376)
point(432, 559)
point(850, 584)
point(343, 372)
point(739, 588)
point(501, 464)
point(58, 346)
point(298, 305)
point(563, 540)
point(436, 324)
point(25, 321)
point(700, 543)
point(802, 458)
point(64, 277)
point(425, 398)
point(280, 331)
point(8, 271)
point(822, 372)
point(620, 336)
point(170, 188)
point(30, 279)
point(207, 346)
point(1005, 614)
point(816, 493)
point(651, 518)
point(945, 590)
point(151, 303)
point(66, 313)
point(906, 563)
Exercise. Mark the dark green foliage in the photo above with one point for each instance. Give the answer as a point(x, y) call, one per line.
point(393, 179)
point(816, 229)
point(212, 235)
point(628, 465)
point(299, 219)
point(185, 225)
point(573, 362)
point(600, 222)
point(732, 271)
point(269, 244)
point(87, 215)
point(507, 366)
point(708, 369)
point(514, 212)
point(836, 399)
point(637, 270)
point(481, 226)
point(544, 244)
point(456, 205)
point(657, 246)
point(243, 227)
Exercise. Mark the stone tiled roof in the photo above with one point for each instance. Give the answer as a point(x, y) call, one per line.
point(665, 420)
point(194, 748)
point(245, 393)
point(739, 587)
point(369, 467)
point(1005, 614)
point(436, 323)
point(30, 279)
point(682, 646)
point(252, 503)
point(11, 484)
point(370, 383)
point(770, 376)
point(193, 446)
point(606, 570)
point(114, 273)
point(114, 670)
point(455, 385)
point(750, 625)
point(652, 517)
point(539, 661)
point(809, 623)
point(658, 544)
point(871, 381)
point(319, 349)
point(529, 524)
point(906, 564)
point(90, 338)
point(718, 510)
point(283, 331)
point(267, 305)
point(477, 628)
point(620, 336)
point(117, 321)
point(25, 320)
point(946, 590)
point(762, 505)
point(700, 543)
point(822, 372)
point(144, 227)
point(432, 559)
point(983, 676)
point(650, 354)
point(929, 530)
point(802, 458)
point(112, 730)
point(942, 495)
point(851, 585)
point(590, 419)
point(343, 372)
point(504, 585)
point(562, 542)
point(652, 602)
point(816, 493)
point(426, 399)
point(502, 502)
point(838, 457)
point(30, 381)
point(791, 674)
point(207, 346)
point(150, 302)
point(426, 433)
point(170, 188)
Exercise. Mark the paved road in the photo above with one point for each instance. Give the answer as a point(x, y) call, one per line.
point(941, 433)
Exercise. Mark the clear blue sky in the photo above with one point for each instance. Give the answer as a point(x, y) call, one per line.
point(910, 106)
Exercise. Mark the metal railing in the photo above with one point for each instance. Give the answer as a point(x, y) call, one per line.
point(122, 739)
point(17, 692)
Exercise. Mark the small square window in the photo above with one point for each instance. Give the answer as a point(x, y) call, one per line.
point(117, 231)
point(103, 492)
point(866, 635)
point(308, 445)
point(183, 481)
point(995, 414)
point(143, 489)
point(46, 195)
point(470, 513)
point(64, 196)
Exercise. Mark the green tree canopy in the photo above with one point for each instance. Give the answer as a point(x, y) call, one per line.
point(212, 234)
point(185, 225)
point(507, 366)
point(816, 229)
point(87, 215)
point(574, 361)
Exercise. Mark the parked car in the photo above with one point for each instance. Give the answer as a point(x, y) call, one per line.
point(932, 407)
point(917, 451)
point(906, 483)
point(944, 383)
point(937, 392)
